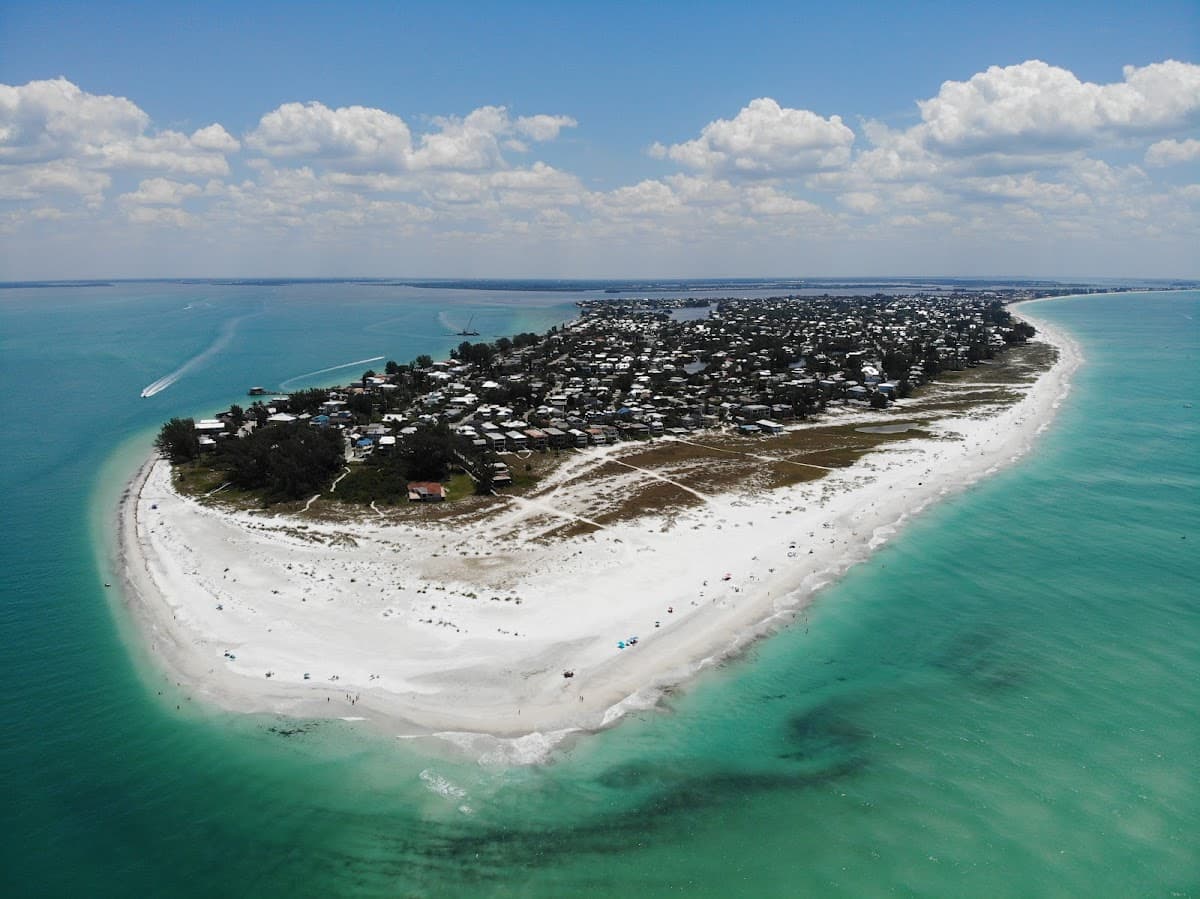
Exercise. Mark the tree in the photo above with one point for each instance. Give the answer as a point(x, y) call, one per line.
point(237, 415)
point(307, 400)
point(878, 400)
point(485, 472)
point(178, 440)
point(896, 363)
point(427, 453)
point(423, 361)
point(361, 405)
point(392, 367)
point(476, 353)
point(484, 479)
point(290, 461)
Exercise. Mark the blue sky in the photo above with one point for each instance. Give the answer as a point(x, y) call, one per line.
point(629, 143)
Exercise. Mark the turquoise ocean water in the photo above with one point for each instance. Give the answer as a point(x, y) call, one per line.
point(1005, 701)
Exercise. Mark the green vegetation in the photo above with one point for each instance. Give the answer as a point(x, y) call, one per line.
point(282, 461)
point(285, 461)
point(307, 400)
point(178, 441)
point(430, 453)
point(629, 366)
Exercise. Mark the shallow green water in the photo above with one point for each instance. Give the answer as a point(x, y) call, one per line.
point(1002, 702)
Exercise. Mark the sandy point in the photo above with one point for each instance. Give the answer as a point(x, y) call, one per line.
point(504, 643)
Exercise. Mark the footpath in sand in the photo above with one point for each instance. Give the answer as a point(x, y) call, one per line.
point(465, 629)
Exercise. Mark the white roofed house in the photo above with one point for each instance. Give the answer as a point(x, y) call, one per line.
point(207, 430)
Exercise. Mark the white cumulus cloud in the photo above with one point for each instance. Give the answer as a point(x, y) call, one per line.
point(161, 192)
point(32, 181)
point(45, 121)
point(467, 143)
point(765, 139)
point(214, 137)
point(366, 139)
point(1033, 106)
point(357, 136)
point(860, 201)
point(1172, 152)
point(543, 127)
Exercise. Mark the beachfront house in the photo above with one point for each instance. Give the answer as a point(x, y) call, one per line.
point(426, 492)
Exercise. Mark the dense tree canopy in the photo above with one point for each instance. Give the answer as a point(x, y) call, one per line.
point(288, 461)
point(426, 455)
point(480, 354)
point(178, 441)
point(307, 400)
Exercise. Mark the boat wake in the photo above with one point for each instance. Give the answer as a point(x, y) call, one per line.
point(226, 334)
point(320, 371)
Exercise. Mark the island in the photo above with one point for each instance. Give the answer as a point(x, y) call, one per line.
point(535, 536)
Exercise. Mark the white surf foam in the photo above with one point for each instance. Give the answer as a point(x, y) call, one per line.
point(435, 783)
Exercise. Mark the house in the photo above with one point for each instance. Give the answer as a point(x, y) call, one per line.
point(210, 427)
point(426, 492)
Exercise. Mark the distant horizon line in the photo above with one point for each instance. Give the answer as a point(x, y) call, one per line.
point(649, 280)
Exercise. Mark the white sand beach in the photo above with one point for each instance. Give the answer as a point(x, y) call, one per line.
point(466, 631)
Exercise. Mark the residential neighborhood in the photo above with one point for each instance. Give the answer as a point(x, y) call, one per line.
point(630, 369)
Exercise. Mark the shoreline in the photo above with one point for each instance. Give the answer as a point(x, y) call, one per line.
point(347, 603)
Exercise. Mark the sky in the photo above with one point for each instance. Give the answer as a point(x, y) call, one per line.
point(620, 140)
